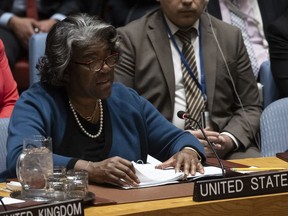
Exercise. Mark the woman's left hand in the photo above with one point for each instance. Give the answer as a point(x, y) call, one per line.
point(186, 160)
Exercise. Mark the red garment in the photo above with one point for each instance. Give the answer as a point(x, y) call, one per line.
point(31, 9)
point(8, 87)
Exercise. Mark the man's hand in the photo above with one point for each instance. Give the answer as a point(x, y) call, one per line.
point(212, 136)
point(227, 145)
point(186, 160)
point(46, 25)
point(23, 28)
point(223, 144)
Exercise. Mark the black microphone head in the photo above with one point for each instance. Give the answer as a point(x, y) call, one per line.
point(181, 114)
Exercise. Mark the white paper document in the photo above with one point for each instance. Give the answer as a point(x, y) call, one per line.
point(8, 201)
point(149, 176)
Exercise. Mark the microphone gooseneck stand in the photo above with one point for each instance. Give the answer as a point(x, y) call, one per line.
point(183, 115)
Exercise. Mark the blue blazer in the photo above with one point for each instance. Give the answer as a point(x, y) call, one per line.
point(138, 128)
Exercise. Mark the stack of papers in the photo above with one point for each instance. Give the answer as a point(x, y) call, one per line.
point(149, 176)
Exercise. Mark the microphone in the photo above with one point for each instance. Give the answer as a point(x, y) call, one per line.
point(183, 115)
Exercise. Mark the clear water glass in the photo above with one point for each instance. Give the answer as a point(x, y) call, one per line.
point(77, 184)
point(34, 165)
point(57, 184)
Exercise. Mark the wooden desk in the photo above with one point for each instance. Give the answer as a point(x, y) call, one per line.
point(273, 204)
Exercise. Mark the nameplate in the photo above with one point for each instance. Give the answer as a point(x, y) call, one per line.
point(67, 208)
point(241, 186)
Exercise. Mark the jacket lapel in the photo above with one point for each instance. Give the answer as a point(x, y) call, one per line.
point(158, 36)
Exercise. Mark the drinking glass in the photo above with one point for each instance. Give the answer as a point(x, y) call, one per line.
point(77, 184)
point(57, 184)
point(34, 165)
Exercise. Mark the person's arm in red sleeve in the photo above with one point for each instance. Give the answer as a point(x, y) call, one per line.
point(8, 89)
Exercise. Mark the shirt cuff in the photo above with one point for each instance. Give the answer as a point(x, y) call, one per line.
point(71, 163)
point(58, 16)
point(5, 18)
point(233, 138)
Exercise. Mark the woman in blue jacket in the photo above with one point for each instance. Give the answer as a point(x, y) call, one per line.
point(95, 124)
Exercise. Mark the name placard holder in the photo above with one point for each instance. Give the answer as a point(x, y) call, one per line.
point(66, 208)
point(241, 186)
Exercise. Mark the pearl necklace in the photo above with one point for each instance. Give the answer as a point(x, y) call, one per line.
point(81, 126)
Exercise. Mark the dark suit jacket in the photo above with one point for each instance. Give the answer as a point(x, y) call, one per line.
point(49, 7)
point(277, 37)
point(269, 9)
point(146, 65)
point(121, 12)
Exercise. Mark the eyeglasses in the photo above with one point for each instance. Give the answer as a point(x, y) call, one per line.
point(97, 65)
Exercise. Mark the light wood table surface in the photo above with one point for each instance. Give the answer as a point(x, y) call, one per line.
point(264, 205)
point(273, 204)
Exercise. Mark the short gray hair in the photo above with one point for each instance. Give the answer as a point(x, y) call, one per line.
point(76, 31)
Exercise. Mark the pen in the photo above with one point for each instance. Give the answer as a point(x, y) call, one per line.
point(257, 169)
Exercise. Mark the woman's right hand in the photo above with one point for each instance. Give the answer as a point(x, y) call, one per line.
point(115, 170)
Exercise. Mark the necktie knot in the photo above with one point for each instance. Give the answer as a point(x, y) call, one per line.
point(186, 35)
